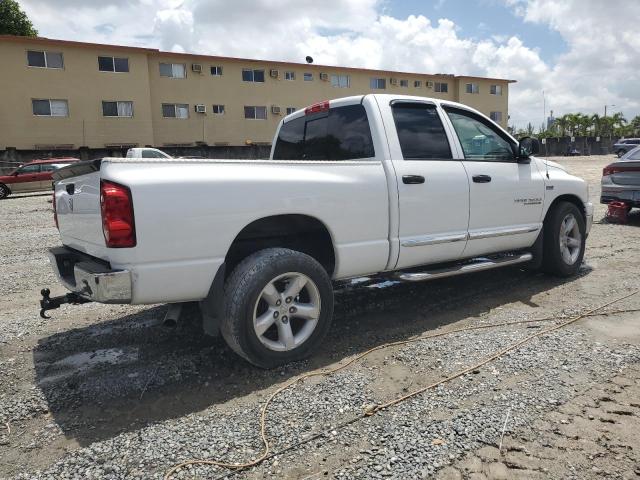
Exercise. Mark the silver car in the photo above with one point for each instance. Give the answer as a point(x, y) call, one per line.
point(625, 145)
point(621, 180)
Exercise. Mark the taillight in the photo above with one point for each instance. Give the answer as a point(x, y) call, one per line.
point(611, 169)
point(317, 107)
point(118, 224)
point(55, 212)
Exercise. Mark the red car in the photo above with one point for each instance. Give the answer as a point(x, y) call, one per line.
point(33, 176)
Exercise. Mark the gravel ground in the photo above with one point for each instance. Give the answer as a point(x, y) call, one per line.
point(108, 392)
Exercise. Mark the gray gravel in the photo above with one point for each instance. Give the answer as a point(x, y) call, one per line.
point(108, 392)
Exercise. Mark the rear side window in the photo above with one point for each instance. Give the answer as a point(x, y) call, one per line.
point(420, 131)
point(342, 133)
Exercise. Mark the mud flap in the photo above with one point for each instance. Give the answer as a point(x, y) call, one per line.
point(537, 251)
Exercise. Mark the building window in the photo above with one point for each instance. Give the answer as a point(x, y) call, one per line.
point(173, 70)
point(472, 88)
point(44, 59)
point(252, 75)
point(496, 116)
point(113, 64)
point(175, 110)
point(417, 83)
point(441, 87)
point(216, 70)
point(218, 109)
point(378, 83)
point(117, 109)
point(308, 77)
point(404, 83)
point(50, 108)
point(290, 110)
point(289, 75)
point(340, 81)
point(255, 113)
point(496, 90)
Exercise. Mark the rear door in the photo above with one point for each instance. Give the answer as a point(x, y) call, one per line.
point(433, 190)
point(506, 197)
point(27, 179)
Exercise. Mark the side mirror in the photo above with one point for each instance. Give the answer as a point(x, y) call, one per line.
point(528, 146)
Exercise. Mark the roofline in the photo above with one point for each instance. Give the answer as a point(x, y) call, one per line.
point(155, 51)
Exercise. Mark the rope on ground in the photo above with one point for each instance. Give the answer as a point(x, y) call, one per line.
point(372, 409)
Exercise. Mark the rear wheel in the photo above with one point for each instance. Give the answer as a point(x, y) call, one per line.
point(278, 307)
point(4, 191)
point(564, 240)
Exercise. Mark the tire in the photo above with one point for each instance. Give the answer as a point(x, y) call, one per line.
point(284, 335)
point(563, 254)
point(620, 153)
point(4, 191)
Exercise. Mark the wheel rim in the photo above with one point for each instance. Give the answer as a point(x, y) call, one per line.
point(286, 312)
point(570, 239)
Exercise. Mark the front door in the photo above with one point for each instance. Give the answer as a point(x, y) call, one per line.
point(433, 189)
point(505, 196)
point(27, 179)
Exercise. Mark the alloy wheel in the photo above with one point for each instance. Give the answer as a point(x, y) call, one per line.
point(287, 311)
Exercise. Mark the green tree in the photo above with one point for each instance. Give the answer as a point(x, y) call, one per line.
point(13, 21)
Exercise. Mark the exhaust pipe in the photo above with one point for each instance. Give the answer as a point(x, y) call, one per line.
point(172, 316)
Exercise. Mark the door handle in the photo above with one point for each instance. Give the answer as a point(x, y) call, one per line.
point(412, 179)
point(481, 178)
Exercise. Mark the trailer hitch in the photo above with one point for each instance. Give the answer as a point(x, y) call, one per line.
point(48, 303)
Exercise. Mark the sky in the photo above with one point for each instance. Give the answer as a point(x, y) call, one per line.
point(583, 54)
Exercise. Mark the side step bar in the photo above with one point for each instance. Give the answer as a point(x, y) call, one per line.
point(473, 265)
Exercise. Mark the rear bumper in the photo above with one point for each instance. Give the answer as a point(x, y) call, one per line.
point(626, 194)
point(90, 277)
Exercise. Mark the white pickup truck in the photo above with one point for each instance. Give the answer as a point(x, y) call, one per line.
point(410, 187)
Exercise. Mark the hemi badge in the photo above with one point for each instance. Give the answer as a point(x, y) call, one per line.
point(549, 187)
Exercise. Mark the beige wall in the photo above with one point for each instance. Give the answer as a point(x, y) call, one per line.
point(85, 87)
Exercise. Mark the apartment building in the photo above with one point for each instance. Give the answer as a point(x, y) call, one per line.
point(58, 94)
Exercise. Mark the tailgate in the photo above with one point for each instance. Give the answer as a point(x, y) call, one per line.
point(626, 173)
point(77, 197)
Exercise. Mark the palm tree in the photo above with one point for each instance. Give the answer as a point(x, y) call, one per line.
point(618, 121)
point(635, 124)
point(561, 124)
point(596, 123)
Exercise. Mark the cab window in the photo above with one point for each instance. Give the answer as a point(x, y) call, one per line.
point(481, 141)
point(342, 133)
point(29, 169)
point(420, 132)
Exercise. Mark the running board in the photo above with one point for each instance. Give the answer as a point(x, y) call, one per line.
point(473, 265)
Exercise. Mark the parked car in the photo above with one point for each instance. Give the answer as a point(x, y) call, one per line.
point(34, 176)
point(621, 180)
point(409, 187)
point(625, 145)
point(146, 152)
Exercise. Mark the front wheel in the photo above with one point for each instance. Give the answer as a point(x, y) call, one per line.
point(4, 191)
point(278, 307)
point(564, 240)
point(620, 153)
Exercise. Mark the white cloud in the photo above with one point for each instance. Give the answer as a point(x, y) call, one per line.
point(603, 45)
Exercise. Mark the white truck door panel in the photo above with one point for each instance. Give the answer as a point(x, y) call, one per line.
point(506, 197)
point(433, 189)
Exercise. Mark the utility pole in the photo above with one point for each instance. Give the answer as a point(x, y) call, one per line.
point(544, 111)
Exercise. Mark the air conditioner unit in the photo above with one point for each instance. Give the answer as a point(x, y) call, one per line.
point(273, 73)
point(393, 81)
point(196, 67)
point(275, 109)
point(429, 84)
point(201, 108)
point(324, 76)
